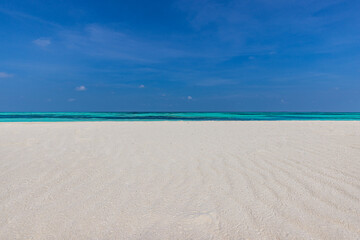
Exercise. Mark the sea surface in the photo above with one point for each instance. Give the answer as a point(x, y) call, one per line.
point(172, 116)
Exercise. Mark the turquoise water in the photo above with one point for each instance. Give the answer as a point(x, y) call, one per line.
point(171, 116)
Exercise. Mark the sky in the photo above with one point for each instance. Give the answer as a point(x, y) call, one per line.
point(180, 55)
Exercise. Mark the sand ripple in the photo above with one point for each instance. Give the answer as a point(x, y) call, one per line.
point(180, 180)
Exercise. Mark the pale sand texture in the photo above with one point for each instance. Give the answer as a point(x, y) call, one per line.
point(180, 180)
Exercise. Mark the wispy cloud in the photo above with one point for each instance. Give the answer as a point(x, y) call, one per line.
point(141, 86)
point(42, 42)
point(5, 75)
point(104, 42)
point(21, 15)
point(237, 26)
point(244, 14)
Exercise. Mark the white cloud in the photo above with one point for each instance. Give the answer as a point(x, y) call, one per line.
point(5, 75)
point(189, 98)
point(141, 86)
point(71, 99)
point(80, 88)
point(42, 42)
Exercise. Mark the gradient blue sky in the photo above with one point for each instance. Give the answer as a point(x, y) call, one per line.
point(182, 55)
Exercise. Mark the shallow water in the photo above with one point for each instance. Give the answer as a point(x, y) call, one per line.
point(172, 116)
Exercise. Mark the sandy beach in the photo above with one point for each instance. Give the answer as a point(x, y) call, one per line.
point(180, 180)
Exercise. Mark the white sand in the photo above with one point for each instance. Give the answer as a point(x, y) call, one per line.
point(180, 180)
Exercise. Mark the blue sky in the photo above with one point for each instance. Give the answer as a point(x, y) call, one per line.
point(182, 55)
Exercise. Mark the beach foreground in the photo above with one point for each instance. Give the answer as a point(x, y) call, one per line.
point(180, 180)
